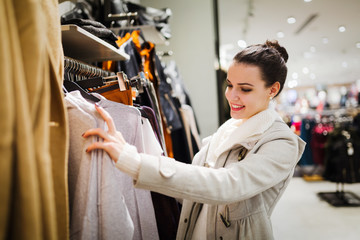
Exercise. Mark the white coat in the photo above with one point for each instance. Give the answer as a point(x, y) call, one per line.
point(252, 169)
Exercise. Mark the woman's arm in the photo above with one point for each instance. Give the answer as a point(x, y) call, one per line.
point(272, 162)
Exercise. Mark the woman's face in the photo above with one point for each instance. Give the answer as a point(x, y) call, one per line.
point(246, 91)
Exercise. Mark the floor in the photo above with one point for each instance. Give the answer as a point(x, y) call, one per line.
point(301, 214)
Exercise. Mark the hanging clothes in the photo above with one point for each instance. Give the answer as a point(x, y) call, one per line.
point(320, 134)
point(96, 203)
point(306, 129)
point(132, 67)
point(342, 155)
point(33, 147)
point(113, 93)
point(107, 181)
point(187, 114)
point(171, 109)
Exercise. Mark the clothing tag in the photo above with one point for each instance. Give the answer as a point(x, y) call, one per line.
point(121, 81)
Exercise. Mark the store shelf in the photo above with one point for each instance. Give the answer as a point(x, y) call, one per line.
point(82, 45)
point(149, 31)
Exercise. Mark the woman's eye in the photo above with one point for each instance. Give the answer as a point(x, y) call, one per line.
point(228, 85)
point(246, 90)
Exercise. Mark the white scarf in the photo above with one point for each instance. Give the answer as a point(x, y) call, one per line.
point(239, 132)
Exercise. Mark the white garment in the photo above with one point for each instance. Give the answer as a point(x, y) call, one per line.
point(219, 138)
point(189, 113)
point(151, 144)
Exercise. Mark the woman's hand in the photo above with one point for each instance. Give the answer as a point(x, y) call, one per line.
point(113, 140)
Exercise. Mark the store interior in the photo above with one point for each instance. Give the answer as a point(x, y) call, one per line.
point(323, 85)
point(183, 49)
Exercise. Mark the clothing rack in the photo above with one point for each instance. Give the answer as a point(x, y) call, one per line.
point(164, 53)
point(76, 70)
point(349, 164)
point(340, 198)
point(110, 17)
point(130, 16)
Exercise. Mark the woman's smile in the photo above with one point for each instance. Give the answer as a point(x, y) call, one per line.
point(236, 107)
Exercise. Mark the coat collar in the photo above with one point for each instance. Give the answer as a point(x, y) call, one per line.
point(247, 133)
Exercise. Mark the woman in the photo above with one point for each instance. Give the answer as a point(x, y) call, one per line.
point(238, 176)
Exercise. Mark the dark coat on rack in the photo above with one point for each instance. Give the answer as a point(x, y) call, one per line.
point(342, 157)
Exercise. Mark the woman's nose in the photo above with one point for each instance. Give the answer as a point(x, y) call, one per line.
point(235, 95)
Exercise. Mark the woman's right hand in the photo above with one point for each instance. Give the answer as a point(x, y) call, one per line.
point(113, 142)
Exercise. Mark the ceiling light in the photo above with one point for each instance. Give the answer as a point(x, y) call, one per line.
point(291, 20)
point(312, 49)
point(358, 44)
point(292, 83)
point(312, 76)
point(307, 0)
point(280, 35)
point(344, 64)
point(325, 40)
point(242, 43)
point(342, 29)
point(305, 70)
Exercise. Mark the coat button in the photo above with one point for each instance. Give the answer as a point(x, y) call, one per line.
point(185, 221)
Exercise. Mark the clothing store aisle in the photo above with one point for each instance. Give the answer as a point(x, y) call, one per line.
point(301, 214)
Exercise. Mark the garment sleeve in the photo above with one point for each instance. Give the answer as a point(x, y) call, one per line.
point(272, 162)
point(129, 161)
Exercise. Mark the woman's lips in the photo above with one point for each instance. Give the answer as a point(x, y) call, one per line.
point(235, 107)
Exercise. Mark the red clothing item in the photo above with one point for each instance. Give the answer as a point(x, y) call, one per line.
point(319, 137)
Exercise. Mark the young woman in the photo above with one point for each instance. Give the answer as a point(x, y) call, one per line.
point(235, 180)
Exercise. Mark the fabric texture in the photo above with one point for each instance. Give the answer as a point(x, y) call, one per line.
point(33, 194)
point(243, 188)
point(127, 120)
point(96, 202)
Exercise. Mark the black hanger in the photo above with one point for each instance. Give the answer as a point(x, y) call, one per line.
point(106, 89)
point(73, 86)
point(91, 82)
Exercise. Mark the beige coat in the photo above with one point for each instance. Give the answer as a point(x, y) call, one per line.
point(244, 189)
point(33, 126)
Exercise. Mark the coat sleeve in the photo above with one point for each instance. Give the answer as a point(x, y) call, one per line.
point(271, 161)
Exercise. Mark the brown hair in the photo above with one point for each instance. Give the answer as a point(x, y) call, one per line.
point(270, 57)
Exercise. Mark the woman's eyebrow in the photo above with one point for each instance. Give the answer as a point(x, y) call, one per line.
point(240, 84)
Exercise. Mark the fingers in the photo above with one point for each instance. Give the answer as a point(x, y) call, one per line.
point(112, 149)
point(96, 145)
point(108, 119)
point(97, 132)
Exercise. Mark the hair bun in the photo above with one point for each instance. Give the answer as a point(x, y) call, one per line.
point(275, 44)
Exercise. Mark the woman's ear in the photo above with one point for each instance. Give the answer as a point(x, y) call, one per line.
point(274, 89)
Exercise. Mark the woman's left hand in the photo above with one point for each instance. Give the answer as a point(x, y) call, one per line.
point(113, 143)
